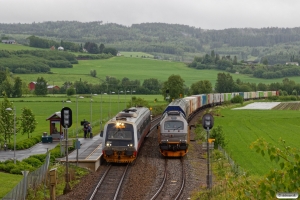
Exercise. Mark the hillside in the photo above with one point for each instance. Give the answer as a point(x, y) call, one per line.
point(169, 41)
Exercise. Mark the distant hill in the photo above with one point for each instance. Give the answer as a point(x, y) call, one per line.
point(178, 42)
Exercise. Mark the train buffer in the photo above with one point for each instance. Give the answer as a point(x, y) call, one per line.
point(89, 154)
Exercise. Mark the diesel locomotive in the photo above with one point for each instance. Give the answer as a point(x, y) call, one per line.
point(173, 129)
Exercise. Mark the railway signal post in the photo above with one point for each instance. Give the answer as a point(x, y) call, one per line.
point(208, 123)
point(66, 122)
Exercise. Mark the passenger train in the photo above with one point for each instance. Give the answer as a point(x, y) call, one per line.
point(123, 135)
point(173, 129)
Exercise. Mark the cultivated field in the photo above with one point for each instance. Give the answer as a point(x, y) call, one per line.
point(242, 127)
point(132, 68)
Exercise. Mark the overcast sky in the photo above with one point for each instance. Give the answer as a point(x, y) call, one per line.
point(205, 14)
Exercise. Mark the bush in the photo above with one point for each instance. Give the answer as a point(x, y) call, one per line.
point(33, 161)
point(25, 144)
point(218, 134)
point(40, 157)
point(237, 99)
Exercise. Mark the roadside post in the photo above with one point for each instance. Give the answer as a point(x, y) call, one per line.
point(208, 123)
point(53, 181)
point(66, 122)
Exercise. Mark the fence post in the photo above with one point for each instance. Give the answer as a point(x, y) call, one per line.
point(25, 173)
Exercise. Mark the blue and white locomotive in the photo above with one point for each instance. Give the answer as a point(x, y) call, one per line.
point(173, 130)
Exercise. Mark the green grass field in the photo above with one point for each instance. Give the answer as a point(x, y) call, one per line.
point(132, 68)
point(242, 127)
point(101, 107)
point(8, 182)
point(135, 68)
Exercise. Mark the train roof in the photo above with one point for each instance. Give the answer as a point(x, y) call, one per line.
point(131, 115)
point(177, 105)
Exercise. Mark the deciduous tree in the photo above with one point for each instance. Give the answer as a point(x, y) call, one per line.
point(41, 86)
point(28, 121)
point(175, 87)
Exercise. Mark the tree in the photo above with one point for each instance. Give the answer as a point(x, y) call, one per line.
point(6, 120)
point(28, 122)
point(25, 89)
point(93, 73)
point(201, 87)
point(152, 85)
point(101, 48)
point(234, 60)
point(262, 87)
point(175, 87)
point(110, 50)
point(17, 88)
point(41, 86)
point(265, 61)
point(70, 91)
point(7, 87)
point(224, 83)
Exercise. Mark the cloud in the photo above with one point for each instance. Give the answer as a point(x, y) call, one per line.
point(207, 14)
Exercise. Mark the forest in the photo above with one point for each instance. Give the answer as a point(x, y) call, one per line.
point(180, 42)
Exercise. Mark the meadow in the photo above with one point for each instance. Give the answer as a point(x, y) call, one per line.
point(92, 108)
point(134, 68)
point(8, 182)
point(242, 127)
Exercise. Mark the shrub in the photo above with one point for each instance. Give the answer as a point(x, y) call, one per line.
point(218, 134)
point(33, 161)
point(16, 170)
point(237, 99)
point(40, 157)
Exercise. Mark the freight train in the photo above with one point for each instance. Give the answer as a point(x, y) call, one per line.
point(123, 135)
point(173, 129)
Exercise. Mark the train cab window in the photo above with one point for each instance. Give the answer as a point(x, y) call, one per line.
point(125, 133)
point(173, 125)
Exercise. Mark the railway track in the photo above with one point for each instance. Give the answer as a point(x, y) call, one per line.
point(173, 181)
point(110, 183)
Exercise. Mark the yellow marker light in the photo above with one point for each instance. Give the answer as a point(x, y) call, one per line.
point(210, 140)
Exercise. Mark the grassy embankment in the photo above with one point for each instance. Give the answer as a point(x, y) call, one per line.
point(242, 127)
point(8, 182)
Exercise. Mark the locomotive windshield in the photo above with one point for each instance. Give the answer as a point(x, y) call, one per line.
point(120, 135)
point(173, 125)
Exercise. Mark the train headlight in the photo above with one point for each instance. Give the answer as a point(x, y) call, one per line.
point(130, 145)
point(108, 144)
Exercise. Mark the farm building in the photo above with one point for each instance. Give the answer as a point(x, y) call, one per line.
point(50, 88)
point(60, 48)
point(31, 85)
point(8, 41)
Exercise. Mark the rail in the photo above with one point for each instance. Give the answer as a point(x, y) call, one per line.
point(115, 177)
point(163, 184)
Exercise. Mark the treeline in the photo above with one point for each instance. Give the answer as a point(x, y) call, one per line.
point(225, 83)
point(69, 46)
point(229, 64)
point(46, 44)
point(156, 33)
point(108, 86)
point(94, 49)
point(35, 61)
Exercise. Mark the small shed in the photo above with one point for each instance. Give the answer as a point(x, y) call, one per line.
point(31, 85)
point(60, 48)
point(55, 125)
